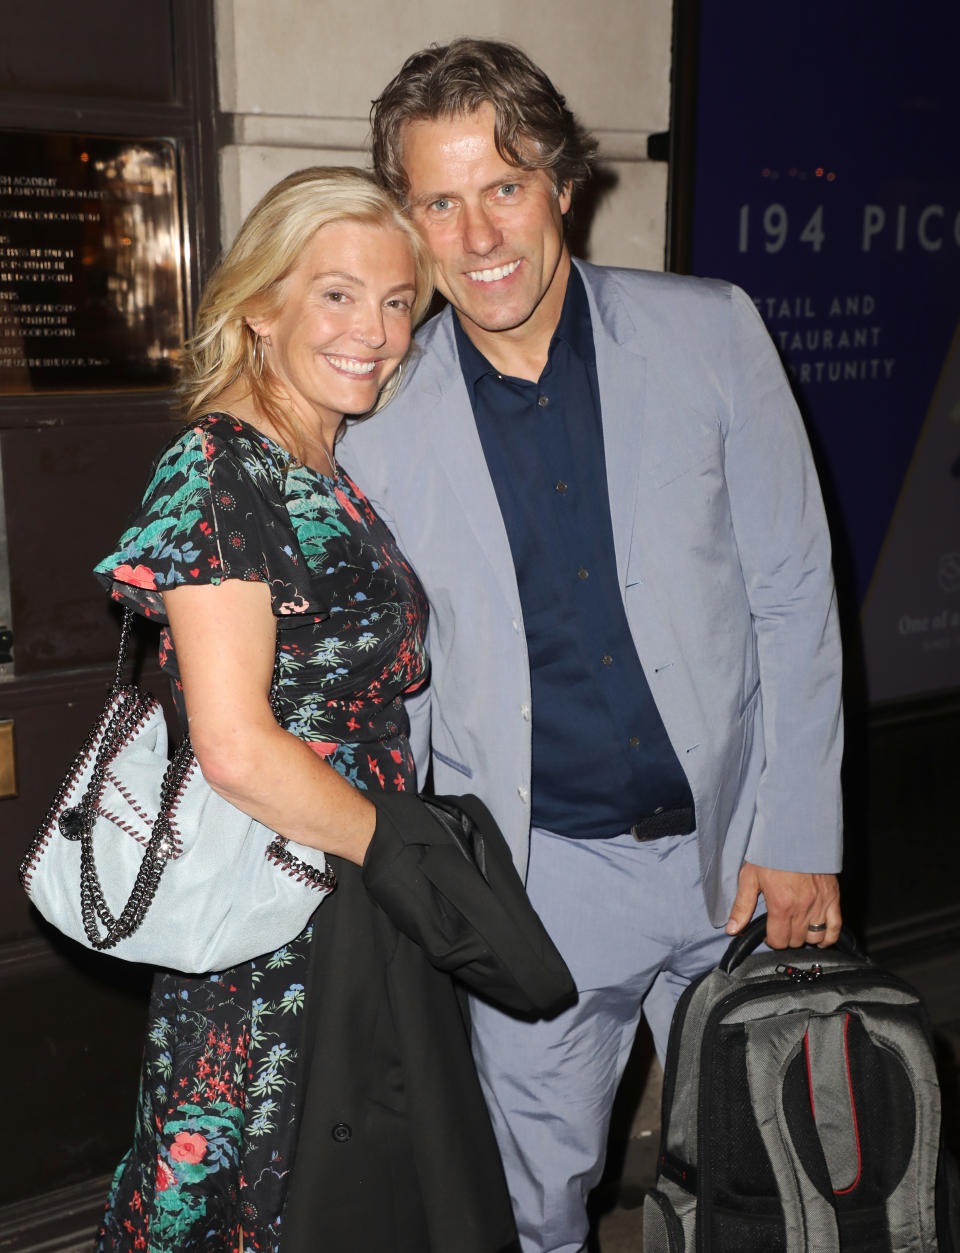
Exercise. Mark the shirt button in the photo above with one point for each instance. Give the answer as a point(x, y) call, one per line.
point(561, 487)
point(583, 574)
point(522, 793)
point(607, 659)
point(658, 810)
point(341, 1132)
point(525, 712)
point(543, 401)
point(515, 624)
point(634, 741)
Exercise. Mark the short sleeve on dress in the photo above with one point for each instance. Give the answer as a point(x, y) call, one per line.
point(214, 509)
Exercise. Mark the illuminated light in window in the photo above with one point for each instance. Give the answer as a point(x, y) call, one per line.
point(819, 171)
point(84, 157)
point(831, 176)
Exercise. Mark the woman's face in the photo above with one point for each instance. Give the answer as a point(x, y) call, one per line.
point(344, 324)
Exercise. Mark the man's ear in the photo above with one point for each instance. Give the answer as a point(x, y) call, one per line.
point(565, 197)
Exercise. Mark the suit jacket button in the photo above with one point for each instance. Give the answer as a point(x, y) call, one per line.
point(341, 1132)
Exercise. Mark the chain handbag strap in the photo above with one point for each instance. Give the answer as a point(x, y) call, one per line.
point(130, 709)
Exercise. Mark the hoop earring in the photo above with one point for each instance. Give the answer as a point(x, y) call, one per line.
point(259, 352)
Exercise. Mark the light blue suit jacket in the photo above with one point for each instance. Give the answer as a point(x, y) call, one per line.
point(723, 557)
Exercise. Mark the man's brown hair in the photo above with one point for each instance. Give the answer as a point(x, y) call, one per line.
point(534, 129)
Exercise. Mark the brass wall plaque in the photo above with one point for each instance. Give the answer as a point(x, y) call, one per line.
point(91, 263)
point(8, 763)
point(6, 604)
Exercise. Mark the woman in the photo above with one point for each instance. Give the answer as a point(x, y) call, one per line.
point(249, 528)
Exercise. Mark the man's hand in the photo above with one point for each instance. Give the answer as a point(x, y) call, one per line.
point(794, 901)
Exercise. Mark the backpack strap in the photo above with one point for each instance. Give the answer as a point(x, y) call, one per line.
point(831, 1098)
point(911, 1207)
point(771, 1045)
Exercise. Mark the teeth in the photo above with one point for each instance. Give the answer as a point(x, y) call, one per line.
point(351, 365)
point(491, 276)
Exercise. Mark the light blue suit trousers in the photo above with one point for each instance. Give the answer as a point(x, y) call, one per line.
point(630, 922)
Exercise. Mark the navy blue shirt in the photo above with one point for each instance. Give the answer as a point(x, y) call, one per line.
point(601, 756)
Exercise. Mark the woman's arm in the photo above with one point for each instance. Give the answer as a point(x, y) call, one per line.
point(225, 641)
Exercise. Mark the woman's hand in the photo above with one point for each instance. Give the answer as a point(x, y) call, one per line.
point(225, 642)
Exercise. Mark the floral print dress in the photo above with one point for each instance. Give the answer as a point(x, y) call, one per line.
point(217, 1112)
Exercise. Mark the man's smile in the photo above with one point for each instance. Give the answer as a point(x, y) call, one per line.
point(492, 275)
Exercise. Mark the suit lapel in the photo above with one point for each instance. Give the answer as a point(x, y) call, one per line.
point(453, 432)
point(621, 371)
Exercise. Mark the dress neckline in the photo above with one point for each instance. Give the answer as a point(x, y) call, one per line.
point(292, 461)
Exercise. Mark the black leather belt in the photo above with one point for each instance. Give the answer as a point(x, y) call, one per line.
point(664, 822)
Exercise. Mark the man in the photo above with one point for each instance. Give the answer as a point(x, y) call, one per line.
point(603, 482)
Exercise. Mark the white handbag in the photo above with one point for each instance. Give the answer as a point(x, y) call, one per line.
point(138, 855)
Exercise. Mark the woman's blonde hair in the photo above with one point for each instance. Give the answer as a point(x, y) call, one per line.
point(248, 282)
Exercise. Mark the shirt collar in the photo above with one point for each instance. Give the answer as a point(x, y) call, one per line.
point(573, 328)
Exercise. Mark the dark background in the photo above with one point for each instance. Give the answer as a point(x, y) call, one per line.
point(74, 466)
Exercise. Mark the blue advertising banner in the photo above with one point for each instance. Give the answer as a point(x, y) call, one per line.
point(827, 184)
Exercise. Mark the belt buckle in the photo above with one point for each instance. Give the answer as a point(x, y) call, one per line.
point(653, 833)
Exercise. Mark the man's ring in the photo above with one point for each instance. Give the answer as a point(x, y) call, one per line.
point(817, 926)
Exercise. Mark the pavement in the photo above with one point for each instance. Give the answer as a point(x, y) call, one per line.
point(635, 1127)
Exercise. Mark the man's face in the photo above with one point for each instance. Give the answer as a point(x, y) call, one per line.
point(496, 230)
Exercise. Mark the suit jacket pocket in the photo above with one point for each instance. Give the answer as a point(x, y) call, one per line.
point(681, 462)
point(454, 765)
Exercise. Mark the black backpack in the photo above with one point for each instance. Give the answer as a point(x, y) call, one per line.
point(801, 1112)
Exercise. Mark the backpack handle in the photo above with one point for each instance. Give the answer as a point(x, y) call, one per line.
point(751, 937)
